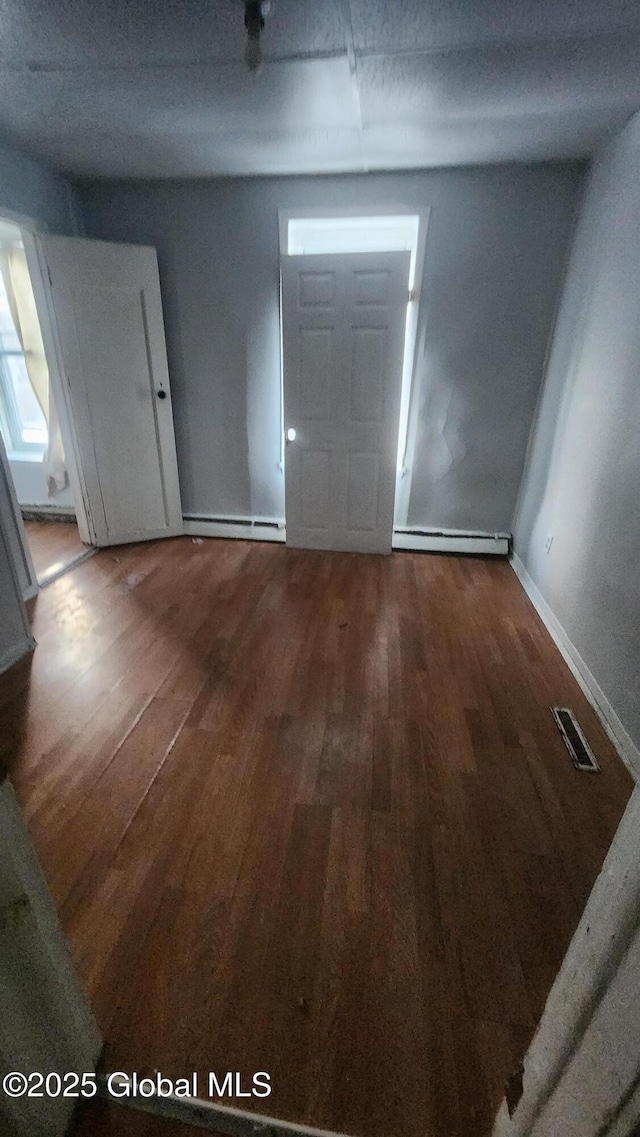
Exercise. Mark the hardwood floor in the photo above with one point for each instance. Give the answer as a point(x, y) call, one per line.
point(309, 813)
point(53, 545)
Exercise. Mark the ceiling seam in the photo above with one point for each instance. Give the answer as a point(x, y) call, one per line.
point(353, 71)
point(44, 67)
point(582, 37)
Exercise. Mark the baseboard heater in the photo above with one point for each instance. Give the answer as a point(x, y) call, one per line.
point(241, 528)
point(404, 537)
point(450, 541)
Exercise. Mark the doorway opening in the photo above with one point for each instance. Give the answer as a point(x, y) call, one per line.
point(34, 455)
point(397, 229)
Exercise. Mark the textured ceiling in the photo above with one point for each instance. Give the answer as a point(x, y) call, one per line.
point(138, 88)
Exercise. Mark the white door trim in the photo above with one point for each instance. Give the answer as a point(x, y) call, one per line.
point(25, 642)
point(410, 394)
point(12, 519)
point(581, 1070)
point(344, 321)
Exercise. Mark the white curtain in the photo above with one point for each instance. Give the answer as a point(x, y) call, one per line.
point(17, 282)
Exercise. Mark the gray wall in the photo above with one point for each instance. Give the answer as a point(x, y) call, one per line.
point(496, 252)
point(29, 189)
point(582, 482)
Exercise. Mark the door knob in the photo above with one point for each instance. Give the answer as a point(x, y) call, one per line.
point(291, 434)
point(162, 394)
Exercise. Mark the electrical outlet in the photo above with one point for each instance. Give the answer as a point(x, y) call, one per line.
point(548, 543)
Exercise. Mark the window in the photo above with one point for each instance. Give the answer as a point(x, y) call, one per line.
point(23, 424)
point(383, 234)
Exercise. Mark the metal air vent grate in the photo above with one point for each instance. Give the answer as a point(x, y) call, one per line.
point(581, 753)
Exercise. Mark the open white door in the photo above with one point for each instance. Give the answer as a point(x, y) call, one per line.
point(343, 322)
point(107, 316)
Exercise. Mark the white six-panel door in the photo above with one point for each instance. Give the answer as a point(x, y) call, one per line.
point(107, 313)
point(343, 319)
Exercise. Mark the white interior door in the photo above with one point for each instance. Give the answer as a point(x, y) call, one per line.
point(344, 318)
point(107, 317)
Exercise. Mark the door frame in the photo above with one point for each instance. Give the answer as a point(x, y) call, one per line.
point(409, 393)
point(11, 522)
point(347, 434)
point(578, 1050)
point(41, 291)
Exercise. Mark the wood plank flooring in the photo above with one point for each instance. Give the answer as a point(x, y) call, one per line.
point(309, 813)
point(53, 545)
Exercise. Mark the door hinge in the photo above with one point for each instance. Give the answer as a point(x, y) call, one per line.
point(49, 275)
point(411, 295)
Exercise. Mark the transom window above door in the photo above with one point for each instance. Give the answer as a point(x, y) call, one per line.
point(358, 234)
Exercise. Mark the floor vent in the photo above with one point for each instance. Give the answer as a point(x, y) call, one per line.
point(581, 753)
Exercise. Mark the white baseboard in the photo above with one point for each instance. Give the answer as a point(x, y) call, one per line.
point(450, 541)
point(620, 737)
point(16, 652)
point(238, 528)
